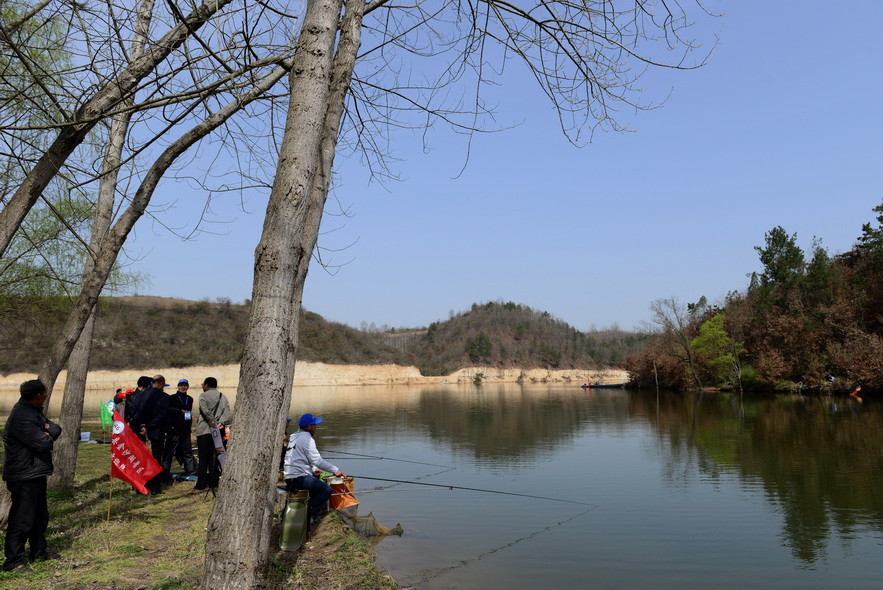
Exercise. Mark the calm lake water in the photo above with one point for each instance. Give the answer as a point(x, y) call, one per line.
point(683, 491)
point(686, 492)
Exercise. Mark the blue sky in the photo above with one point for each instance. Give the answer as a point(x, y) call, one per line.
point(782, 127)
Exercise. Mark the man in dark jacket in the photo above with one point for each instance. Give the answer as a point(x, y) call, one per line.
point(27, 444)
point(150, 419)
point(131, 400)
point(178, 441)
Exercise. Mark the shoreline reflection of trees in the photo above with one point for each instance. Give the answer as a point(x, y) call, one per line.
point(819, 459)
point(500, 422)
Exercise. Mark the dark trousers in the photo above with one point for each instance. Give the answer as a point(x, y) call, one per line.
point(319, 491)
point(179, 447)
point(207, 473)
point(28, 519)
point(157, 448)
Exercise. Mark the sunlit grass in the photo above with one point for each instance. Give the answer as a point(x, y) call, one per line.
point(158, 542)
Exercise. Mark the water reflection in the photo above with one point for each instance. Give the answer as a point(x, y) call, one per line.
point(504, 423)
point(819, 460)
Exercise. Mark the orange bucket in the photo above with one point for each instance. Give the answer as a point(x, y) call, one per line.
point(341, 492)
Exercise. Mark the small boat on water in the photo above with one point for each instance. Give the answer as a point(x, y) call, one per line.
point(602, 385)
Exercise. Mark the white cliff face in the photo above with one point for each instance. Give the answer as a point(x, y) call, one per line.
point(101, 385)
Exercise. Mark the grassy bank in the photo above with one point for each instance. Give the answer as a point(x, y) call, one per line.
point(157, 542)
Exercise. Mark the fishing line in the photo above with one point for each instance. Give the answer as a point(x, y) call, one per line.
point(382, 488)
point(441, 485)
point(388, 490)
point(386, 458)
point(429, 574)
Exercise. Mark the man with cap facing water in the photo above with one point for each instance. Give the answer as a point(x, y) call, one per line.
point(300, 457)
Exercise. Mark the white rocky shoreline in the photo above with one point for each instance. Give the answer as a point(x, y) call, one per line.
point(321, 374)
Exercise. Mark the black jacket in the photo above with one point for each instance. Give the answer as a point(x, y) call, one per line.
point(27, 444)
point(178, 426)
point(151, 410)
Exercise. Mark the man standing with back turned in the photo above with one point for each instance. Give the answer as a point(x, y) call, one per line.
point(300, 457)
point(27, 444)
point(214, 412)
point(150, 420)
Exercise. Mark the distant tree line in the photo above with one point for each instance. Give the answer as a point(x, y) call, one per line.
point(811, 321)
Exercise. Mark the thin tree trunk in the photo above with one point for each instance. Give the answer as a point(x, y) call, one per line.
point(244, 500)
point(111, 245)
point(64, 453)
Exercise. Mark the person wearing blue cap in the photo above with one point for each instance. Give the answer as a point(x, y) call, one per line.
point(300, 457)
point(178, 438)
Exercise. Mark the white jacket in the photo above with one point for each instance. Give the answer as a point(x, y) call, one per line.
point(302, 454)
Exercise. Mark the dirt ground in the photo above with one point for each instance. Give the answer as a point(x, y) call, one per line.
point(333, 558)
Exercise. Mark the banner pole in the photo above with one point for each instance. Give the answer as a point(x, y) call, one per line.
point(110, 490)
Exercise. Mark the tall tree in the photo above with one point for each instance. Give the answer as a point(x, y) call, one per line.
point(186, 77)
point(782, 259)
point(579, 53)
point(65, 451)
point(678, 328)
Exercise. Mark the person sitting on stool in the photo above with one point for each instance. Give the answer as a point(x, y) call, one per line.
point(300, 457)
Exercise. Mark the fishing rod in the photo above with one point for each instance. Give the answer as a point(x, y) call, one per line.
point(386, 458)
point(449, 487)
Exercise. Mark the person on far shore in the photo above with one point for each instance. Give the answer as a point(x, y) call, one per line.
point(300, 457)
point(28, 438)
point(214, 412)
point(178, 443)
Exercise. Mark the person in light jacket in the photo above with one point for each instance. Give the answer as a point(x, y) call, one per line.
point(28, 438)
point(214, 412)
point(300, 457)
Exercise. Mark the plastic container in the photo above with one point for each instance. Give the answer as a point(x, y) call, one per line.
point(294, 521)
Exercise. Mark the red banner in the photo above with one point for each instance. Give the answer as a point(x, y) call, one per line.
point(131, 460)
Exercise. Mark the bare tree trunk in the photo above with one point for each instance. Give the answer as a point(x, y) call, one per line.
point(64, 452)
point(65, 449)
point(244, 500)
point(106, 254)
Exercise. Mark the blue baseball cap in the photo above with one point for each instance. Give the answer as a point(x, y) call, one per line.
point(308, 419)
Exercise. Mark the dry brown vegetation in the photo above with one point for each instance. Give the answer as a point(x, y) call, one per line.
point(144, 331)
point(798, 322)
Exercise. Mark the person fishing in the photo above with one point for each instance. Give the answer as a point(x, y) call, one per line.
point(300, 457)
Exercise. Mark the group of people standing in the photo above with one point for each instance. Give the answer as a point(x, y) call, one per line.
point(166, 421)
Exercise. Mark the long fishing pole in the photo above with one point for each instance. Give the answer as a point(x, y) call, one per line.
point(449, 487)
point(385, 458)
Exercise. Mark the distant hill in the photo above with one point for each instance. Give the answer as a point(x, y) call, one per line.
point(511, 335)
point(143, 331)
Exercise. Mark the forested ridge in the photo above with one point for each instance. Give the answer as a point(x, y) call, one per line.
point(808, 321)
point(142, 331)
